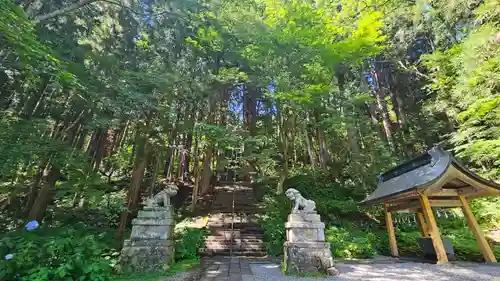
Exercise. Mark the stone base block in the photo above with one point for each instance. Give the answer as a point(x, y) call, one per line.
point(146, 255)
point(308, 257)
point(305, 234)
point(301, 217)
point(157, 213)
point(148, 230)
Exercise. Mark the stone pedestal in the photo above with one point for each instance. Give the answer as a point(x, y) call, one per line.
point(305, 249)
point(150, 247)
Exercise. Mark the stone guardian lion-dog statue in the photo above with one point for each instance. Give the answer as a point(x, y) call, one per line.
point(299, 202)
point(162, 197)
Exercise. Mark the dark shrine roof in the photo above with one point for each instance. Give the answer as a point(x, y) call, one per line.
point(417, 173)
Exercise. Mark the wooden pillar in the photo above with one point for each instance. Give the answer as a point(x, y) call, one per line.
point(422, 225)
point(474, 227)
point(437, 242)
point(390, 230)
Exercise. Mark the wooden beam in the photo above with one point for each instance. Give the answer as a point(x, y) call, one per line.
point(445, 193)
point(401, 206)
point(476, 187)
point(437, 242)
point(390, 230)
point(467, 190)
point(474, 227)
point(413, 205)
point(445, 203)
point(422, 225)
point(402, 197)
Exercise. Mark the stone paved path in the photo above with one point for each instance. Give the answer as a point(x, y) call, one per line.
point(227, 269)
point(243, 269)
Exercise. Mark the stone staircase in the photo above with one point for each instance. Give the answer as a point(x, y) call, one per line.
point(234, 230)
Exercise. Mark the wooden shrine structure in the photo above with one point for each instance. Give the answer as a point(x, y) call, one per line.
point(434, 179)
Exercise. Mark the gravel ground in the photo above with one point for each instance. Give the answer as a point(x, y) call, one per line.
point(190, 275)
point(390, 272)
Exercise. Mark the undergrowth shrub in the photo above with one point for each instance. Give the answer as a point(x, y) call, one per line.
point(333, 201)
point(56, 254)
point(187, 243)
point(273, 220)
point(487, 211)
point(465, 245)
point(351, 243)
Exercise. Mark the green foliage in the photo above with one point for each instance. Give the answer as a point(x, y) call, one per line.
point(91, 218)
point(273, 222)
point(487, 211)
point(55, 254)
point(465, 82)
point(465, 245)
point(179, 266)
point(188, 241)
point(333, 201)
point(351, 243)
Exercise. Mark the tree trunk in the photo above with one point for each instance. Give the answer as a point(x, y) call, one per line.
point(133, 194)
point(351, 128)
point(196, 173)
point(33, 191)
point(188, 141)
point(169, 163)
point(310, 147)
point(282, 133)
point(206, 173)
point(50, 175)
point(324, 158)
point(382, 108)
point(250, 109)
point(97, 148)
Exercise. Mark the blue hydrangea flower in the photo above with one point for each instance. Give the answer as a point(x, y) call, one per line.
point(32, 225)
point(9, 256)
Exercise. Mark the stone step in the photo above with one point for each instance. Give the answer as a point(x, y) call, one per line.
point(226, 191)
point(249, 237)
point(237, 253)
point(246, 247)
point(229, 202)
point(225, 228)
point(224, 248)
point(236, 230)
point(236, 241)
point(243, 220)
point(240, 235)
point(237, 193)
point(230, 205)
point(229, 192)
point(230, 215)
point(235, 225)
point(210, 239)
point(236, 207)
point(250, 211)
point(237, 233)
point(235, 183)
